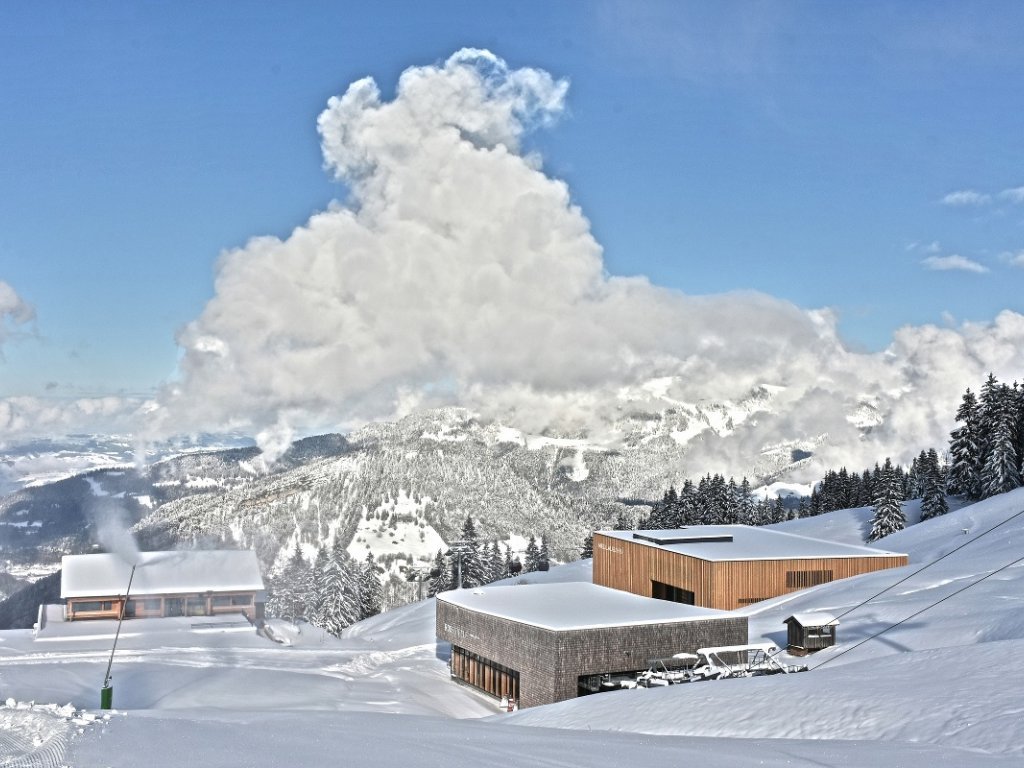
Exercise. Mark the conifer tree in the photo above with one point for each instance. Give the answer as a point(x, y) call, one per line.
point(290, 588)
point(532, 555)
point(474, 566)
point(803, 508)
point(686, 508)
point(1001, 469)
point(316, 599)
point(746, 511)
point(622, 523)
point(933, 493)
point(506, 570)
point(588, 546)
point(889, 516)
point(440, 575)
point(867, 489)
point(371, 594)
point(543, 556)
point(778, 510)
point(341, 589)
point(496, 563)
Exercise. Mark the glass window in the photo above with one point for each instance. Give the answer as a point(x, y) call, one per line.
point(227, 601)
point(87, 606)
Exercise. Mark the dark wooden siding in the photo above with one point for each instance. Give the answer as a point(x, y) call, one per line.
point(549, 663)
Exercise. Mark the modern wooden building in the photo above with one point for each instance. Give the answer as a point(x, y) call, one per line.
point(810, 632)
point(542, 643)
point(726, 566)
point(178, 583)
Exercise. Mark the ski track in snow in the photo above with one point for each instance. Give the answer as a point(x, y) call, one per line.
point(34, 736)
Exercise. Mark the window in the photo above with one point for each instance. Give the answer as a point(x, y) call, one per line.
point(804, 579)
point(148, 605)
point(749, 600)
point(228, 601)
point(88, 606)
point(663, 591)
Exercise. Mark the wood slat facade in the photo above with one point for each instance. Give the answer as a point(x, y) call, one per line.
point(640, 568)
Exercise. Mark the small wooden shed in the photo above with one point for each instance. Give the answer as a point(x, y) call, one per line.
point(810, 632)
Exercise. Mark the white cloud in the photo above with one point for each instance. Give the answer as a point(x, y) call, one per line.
point(14, 311)
point(23, 416)
point(966, 197)
point(953, 262)
point(919, 247)
point(1013, 259)
point(1014, 195)
point(460, 273)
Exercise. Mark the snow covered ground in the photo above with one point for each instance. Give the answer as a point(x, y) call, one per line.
point(945, 688)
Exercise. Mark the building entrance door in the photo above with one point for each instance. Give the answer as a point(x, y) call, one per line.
point(174, 606)
point(196, 606)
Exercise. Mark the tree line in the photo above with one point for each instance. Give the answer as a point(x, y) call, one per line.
point(987, 448)
point(985, 458)
point(470, 562)
point(334, 592)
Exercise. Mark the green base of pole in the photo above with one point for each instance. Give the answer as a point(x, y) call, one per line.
point(107, 697)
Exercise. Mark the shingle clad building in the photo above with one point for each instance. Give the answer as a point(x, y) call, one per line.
point(536, 643)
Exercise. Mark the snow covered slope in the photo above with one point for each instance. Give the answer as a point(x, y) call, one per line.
point(942, 689)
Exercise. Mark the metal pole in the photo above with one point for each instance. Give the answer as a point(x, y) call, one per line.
point(117, 634)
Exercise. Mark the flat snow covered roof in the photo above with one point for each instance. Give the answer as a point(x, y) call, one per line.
point(743, 542)
point(574, 605)
point(185, 571)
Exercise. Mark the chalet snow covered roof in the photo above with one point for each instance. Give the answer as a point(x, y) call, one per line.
point(573, 605)
point(161, 573)
point(743, 542)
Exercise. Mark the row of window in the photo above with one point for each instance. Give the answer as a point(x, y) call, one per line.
point(155, 606)
point(89, 606)
point(662, 591)
point(794, 580)
point(804, 579)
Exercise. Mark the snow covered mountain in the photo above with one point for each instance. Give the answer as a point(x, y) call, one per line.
point(42, 461)
point(398, 489)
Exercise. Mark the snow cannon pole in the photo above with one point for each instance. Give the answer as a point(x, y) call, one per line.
point(107, 691)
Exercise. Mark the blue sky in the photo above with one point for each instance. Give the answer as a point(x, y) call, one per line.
point(799, 149)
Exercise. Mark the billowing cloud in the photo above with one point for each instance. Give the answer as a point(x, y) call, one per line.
point(966, 197)
point(953, 262)
point(458, 272)
point(14, 311)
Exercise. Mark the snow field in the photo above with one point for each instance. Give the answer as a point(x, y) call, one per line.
point(943, 689)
